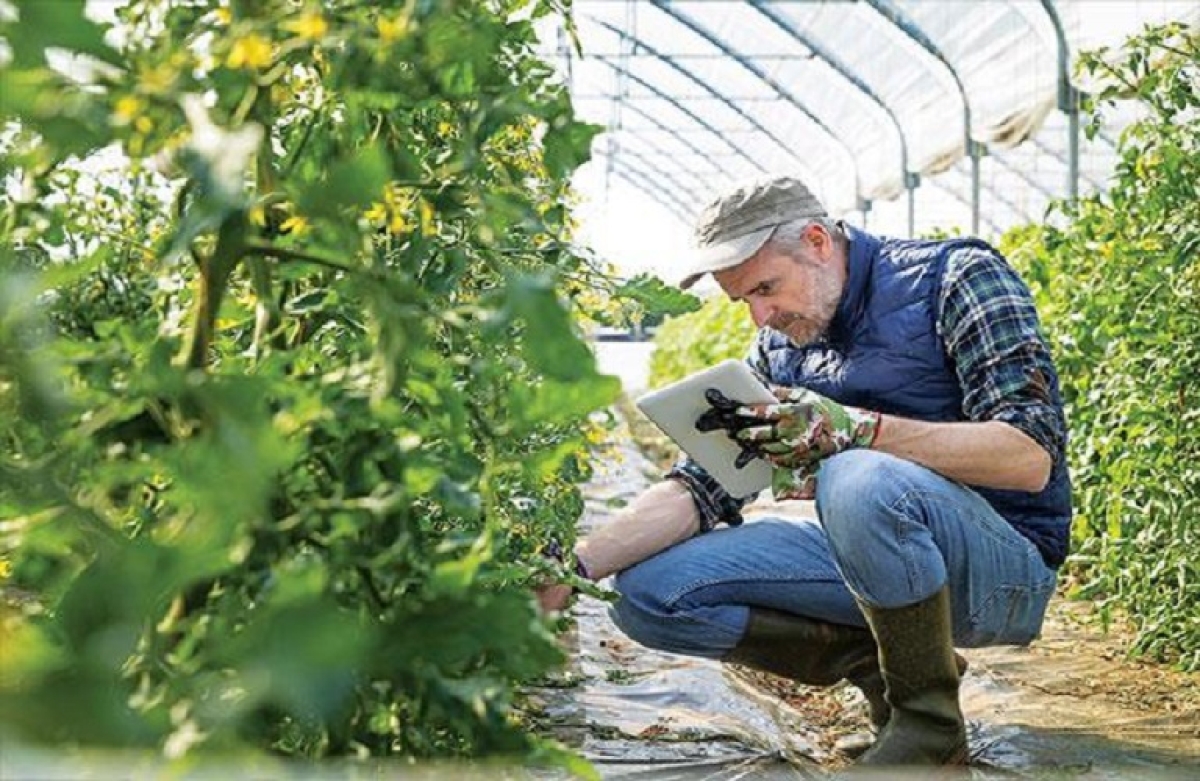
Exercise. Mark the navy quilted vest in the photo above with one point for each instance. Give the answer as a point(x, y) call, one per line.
point(883, 353)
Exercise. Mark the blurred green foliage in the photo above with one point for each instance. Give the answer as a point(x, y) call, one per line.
point(688, 343)
point(291, 395)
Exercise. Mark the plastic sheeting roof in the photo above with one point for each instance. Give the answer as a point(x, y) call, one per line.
point(879, 104)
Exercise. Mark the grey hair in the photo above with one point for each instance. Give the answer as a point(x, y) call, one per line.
point(786, 237)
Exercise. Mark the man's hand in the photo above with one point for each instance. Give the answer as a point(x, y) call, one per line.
point(724, 417)
point(800, 483)
point(800, 430)
point(553, 597)
point(805, 427)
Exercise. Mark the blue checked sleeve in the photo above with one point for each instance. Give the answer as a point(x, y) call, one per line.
point(991, 332)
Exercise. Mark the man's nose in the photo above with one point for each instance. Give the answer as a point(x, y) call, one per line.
point(760, 313)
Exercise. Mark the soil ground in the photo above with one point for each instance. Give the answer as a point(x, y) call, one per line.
point(1075, 668)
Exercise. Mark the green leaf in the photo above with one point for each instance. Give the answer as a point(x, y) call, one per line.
point(567, 145)
point(657, 297)
point(60, 24)
point(67, 118)
point(455, 577)
point(548, 341)
point(560, 402)
point(353, 182)
point(302, 656)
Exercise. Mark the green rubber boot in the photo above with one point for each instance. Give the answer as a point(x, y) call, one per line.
point(921, 674)
point(813, 652)
point(817, 653)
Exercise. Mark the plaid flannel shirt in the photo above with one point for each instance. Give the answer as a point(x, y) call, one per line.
point(989, 327)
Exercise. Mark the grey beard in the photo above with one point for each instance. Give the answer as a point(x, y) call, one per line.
point(787, 321)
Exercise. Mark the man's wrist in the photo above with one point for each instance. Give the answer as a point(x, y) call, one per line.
point(580, 568)
point(875, 427)
point(570, 562)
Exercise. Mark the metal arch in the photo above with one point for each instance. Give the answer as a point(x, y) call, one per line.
point(645, 185)
point(614, 116)
point(734, 98)
point(684, 194)
point(687, 74)
point(674, 133)
point(653, 190)
point(688, 112)
point(974, 150)
point(1068, 102)
point(788, 27)
point(1016, 171)
point(721, 46)
point(1046, 149)
point(643, 145)
point(940, 185)
point(914, 32)
point(1016, 210)
point(897, 17)
point(669, 176)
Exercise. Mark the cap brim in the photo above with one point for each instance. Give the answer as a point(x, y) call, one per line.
point(727, 254)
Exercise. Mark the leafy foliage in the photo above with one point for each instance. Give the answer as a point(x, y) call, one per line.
point(1119, 293)
point(289, 389)
point(686, 344)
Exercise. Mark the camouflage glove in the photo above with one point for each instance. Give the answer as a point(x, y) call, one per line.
point(794, 483)
point(796, 433)
point(799, 483)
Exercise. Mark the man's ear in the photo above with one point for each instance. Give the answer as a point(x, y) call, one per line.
point(820, 239)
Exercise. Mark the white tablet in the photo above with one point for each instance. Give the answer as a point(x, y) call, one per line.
point(675, 408)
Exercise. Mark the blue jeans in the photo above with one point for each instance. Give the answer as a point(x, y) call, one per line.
point(891, 532)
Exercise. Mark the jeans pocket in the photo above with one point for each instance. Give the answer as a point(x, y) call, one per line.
point(1011, 615)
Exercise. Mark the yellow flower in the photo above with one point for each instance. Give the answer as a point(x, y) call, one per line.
point(595, 434)
point(5, 568)
point(428, 222)
point(392, 29)
point(128, 109)
point(250, 52)
point(399, 223)
point(143, 125)
point(296, 226)
point(311, 25)
point(224, 16)
point(377, 212)
point(160, 79)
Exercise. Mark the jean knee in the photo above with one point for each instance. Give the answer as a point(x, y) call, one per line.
point(658, 612)
point(856, 486)
point(641, 611)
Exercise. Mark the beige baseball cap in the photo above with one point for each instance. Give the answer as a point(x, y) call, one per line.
point(738, 224)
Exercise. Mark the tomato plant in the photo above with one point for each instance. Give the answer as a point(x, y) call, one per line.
point(291, 394)
point(1118, 286)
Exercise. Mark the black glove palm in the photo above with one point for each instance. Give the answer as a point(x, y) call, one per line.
point(724, 416)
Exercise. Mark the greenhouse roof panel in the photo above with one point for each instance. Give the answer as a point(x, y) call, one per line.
point(864, 98)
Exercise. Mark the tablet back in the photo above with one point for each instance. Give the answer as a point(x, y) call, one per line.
point(675, 408)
